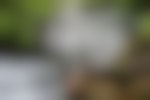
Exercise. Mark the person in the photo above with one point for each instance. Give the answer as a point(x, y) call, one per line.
point(28, 77)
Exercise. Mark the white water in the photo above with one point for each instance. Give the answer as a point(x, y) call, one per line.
point(98, 38)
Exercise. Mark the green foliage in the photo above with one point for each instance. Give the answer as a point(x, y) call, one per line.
point(20, 18)
point(143, 25)
point(6, 20)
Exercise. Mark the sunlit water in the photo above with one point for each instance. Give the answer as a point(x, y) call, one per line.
point(30, 78)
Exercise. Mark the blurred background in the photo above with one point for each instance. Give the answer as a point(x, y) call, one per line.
point(21, 20)
point(22, 23)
